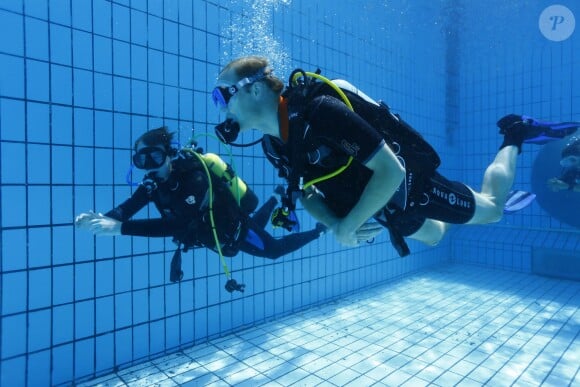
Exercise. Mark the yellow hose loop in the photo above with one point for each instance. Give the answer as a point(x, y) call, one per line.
point(328, 82)
point(347, 102)
point(213, 228)
point(330, 175)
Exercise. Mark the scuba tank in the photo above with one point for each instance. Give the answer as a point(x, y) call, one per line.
point(245, 197)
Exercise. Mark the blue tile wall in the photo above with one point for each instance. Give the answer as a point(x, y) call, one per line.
point(537, 79)
point(81, 80)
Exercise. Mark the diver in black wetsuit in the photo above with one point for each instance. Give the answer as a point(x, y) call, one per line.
point(352, 168)
point(181, 195)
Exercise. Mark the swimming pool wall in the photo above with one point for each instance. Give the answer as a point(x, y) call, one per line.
point(81, 80)
point(516, 69)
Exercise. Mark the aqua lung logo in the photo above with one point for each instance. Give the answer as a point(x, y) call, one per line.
point(451, 198)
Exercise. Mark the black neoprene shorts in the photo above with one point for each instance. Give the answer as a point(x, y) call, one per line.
point(442, 199)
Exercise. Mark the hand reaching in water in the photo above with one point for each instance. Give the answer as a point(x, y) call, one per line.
point(364, 233)
point(368, 231)
point(556, 184)
point(343, 235)
point(98, 224)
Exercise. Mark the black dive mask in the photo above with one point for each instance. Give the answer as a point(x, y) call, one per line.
point(149, 158)
point(227, 131)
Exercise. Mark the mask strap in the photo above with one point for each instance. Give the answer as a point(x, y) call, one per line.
point(129, 176)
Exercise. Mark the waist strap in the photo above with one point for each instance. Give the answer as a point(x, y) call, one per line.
point(397, 239)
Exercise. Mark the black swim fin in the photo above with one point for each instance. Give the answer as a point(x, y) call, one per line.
point(533, 131)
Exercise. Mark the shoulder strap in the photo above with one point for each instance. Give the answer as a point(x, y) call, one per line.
point(186, 160)
point(302, 88)
point(297, 160)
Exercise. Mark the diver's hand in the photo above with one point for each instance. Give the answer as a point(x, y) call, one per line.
point(83, 220)
point(556, 184)
point(345, 235)
point(368, 231)
point(105, 226)
point(98, 223)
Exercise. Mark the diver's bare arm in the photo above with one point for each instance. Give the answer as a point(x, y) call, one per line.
point(315, 206)
point(387, 176)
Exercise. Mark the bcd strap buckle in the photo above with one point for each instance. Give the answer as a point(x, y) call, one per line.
point(281, 217)
point(397, 239)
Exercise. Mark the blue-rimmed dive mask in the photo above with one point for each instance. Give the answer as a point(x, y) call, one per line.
point(149, 157)
point(221, 95)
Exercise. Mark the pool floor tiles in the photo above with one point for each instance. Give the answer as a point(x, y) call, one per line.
point(452, 325)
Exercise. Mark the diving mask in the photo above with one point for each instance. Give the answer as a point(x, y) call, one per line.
point(221, 95)
point(149, 158)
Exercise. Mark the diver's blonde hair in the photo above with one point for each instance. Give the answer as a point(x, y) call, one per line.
point(248, 66)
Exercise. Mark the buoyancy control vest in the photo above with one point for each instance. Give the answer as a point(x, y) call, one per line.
point(233, 201)
point(216, 230)
point(417, 156)
point(224, 173)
